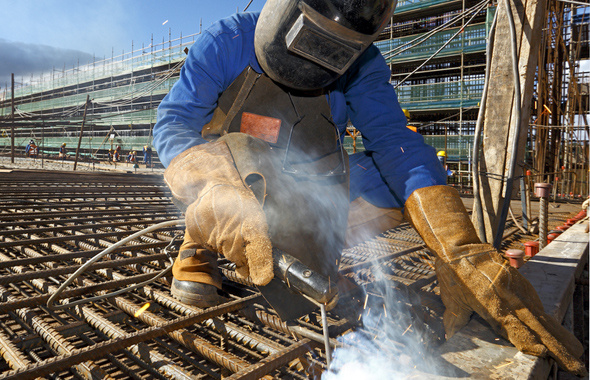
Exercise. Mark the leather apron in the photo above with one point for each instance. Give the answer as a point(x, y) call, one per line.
point(288, 152)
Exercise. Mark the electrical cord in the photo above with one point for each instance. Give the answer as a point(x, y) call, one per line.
point(51, 301)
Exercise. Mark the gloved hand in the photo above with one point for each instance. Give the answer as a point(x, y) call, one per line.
point(222, 214)
point(474, 277)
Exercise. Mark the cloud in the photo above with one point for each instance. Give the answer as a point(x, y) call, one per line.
point(22, 59)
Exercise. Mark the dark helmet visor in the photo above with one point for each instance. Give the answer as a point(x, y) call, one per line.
point(325, 42)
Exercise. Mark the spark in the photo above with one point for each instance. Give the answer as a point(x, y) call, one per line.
point(504, 365)
point(500, 271)
point(141, 310)
point(427, 261)
point(407, 329)
point(360, 315)
point(366, 300)
point(385, 310)
point(165, 22)
point(547, 108)
point(402, 149)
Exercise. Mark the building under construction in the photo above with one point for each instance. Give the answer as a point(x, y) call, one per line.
point(437, 54)
point(444, 61)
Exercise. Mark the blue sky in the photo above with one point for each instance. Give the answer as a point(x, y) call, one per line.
point(36, 35)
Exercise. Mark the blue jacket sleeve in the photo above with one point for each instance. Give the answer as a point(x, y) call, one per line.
point(402, 157)
point(216, 58)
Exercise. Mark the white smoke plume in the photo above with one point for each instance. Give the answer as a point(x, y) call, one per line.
point(392, 344)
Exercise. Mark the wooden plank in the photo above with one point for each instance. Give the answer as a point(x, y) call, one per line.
point(499, 114)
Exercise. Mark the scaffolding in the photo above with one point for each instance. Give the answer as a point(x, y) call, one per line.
point(436, 51)
point(559, 129)
point(125, 92)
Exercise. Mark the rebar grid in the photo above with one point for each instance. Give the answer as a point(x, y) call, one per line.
point(45, 236)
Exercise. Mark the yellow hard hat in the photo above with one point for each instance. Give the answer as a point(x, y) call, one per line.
point(442, 153)
point(406, 112)
point(64, 144)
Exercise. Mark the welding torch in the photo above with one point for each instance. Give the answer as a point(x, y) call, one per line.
point(300, 277)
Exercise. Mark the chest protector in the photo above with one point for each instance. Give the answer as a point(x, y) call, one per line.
point(287, 150)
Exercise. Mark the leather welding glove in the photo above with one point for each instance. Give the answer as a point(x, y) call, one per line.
point(222, 214)
point(474, 277)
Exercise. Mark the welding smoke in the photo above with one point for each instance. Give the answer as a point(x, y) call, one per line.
point(392, 343)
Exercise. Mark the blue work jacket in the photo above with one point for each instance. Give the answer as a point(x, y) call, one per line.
point(396, 161)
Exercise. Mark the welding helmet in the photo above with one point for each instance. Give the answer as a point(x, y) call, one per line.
point(32, 142)
point(308, 44)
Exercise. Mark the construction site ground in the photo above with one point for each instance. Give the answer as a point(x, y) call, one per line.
point(52, 220)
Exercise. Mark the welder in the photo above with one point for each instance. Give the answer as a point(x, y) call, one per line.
point(250, 135)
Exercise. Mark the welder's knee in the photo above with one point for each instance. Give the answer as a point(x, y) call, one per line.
point(365, 221)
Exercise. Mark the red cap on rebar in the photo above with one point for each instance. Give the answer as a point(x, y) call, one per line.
point(551, 237)
point(531, 248)
point(515, 256)
point(542, 190)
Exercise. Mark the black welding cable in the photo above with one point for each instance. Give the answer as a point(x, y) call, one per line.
point(515, 137)
point(477, 207)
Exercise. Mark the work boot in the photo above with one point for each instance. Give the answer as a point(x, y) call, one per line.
point(196, 276)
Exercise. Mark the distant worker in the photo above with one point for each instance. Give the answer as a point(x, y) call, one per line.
point(63, 151)
point(132, 156)
point(442, 158)
point(117, 155)
point(147, 155)
point(407, 114)
point(110, 156)
point(31, 150)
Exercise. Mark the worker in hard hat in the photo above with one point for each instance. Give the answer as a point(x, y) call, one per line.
point(62, 151)
point(117, 154)
point(250, 136)
point(147, 155)
point(442, 158)
point(31, 150)
point(131, 156)
point(407, 114)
